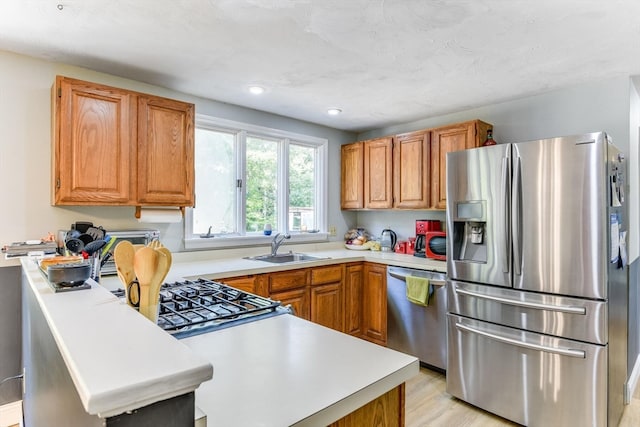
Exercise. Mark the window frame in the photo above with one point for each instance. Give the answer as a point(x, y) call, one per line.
point(241, 131)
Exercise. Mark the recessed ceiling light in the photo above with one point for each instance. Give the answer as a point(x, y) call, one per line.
point(256, 90)
point(334, 111)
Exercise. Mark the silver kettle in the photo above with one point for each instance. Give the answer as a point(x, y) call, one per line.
point(388, 240)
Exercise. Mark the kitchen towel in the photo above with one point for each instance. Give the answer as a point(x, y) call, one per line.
point(419, 290)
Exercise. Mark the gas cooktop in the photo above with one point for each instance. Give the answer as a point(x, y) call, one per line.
point(194, 307)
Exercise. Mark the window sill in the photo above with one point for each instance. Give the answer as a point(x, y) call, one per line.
point(240, 241)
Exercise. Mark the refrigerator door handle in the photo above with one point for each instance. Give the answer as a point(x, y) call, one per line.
point(505, 236)
point(516, 215)
point(555, 350)
point(539, 306)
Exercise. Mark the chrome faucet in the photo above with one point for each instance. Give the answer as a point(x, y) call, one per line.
point(277, 241)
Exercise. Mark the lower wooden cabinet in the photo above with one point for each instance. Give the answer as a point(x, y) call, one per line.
point(297, 298)
point(290, 279)
point(326, 306)
point(244, 283)
point(374, 306)
point(327, 302)
point(292, 288)
point(384, 411)
point(257, 284)
point(353, 299)
point(350, 298)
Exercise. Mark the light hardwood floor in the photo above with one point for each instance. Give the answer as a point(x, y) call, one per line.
point(429, 405)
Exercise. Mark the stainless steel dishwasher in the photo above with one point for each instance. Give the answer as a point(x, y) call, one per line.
point(415, 329)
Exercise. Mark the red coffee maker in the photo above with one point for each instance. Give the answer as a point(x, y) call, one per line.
point(422, 227)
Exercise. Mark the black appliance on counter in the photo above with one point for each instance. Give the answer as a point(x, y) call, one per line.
point(193, 307)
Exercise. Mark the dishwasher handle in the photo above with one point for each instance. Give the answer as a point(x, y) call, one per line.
point(403, 277)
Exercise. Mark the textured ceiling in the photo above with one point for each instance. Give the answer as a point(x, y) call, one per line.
point(381, 62)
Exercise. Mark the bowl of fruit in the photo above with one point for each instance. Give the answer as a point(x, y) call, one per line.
point(358, 239)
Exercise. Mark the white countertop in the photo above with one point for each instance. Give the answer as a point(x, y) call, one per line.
point(285, 371)
point(117, 359)
point(294, 371)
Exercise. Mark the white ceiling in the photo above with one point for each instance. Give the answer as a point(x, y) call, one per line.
point(381, 62)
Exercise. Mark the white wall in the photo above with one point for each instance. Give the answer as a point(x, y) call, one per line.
point(25, 151)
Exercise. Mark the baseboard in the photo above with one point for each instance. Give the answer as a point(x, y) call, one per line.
point(632, 383)
point(11, 414)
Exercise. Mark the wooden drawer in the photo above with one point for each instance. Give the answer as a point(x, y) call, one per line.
point(288, 280)
point(329, 274)
point(244, 283)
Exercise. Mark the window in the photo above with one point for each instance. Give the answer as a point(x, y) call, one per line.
point(249, 176)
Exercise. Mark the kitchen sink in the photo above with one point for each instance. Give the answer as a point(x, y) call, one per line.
point(282, 258)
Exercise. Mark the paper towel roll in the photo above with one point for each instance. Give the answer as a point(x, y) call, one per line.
point(159, 215)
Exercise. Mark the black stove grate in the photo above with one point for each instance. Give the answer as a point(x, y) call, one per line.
point(195, 306)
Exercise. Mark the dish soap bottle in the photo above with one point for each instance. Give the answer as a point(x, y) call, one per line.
point(490, 140)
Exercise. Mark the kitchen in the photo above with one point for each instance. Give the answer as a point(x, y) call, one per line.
point(26, 163)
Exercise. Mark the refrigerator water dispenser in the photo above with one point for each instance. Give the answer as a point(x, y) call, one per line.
point(469, 230)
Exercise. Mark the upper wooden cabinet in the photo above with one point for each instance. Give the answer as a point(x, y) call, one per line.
point(352, 176)
point(407, 171)
point(378, 175)
point(460, 136)
point(117, 147)
point(411, 170)
point(93, 143)
point(165, 152)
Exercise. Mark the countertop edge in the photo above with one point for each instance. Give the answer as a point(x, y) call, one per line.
point(164, 381)
point(361, 398)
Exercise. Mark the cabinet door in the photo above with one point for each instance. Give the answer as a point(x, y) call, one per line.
point(244, 283)
point(456, 137)
point(378, 174)
point(353, 282)
point(297, 298)
point(411, 170)
point(352, 176)
point(327, 306)
point(166, 132)
point(384, 411)
point(374, 309)
point(93, 144)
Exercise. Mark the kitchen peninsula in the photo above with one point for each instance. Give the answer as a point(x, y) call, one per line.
point(277, 371)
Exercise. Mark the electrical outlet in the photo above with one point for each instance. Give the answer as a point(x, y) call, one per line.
point(332, 230)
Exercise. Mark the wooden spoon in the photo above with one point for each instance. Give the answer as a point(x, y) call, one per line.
point(163, 265)
point(145, 264)
point(123, 256)
point(155, 244)
point(167, 253)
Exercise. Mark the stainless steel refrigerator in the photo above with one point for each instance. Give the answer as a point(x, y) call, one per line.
point(537, 280)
